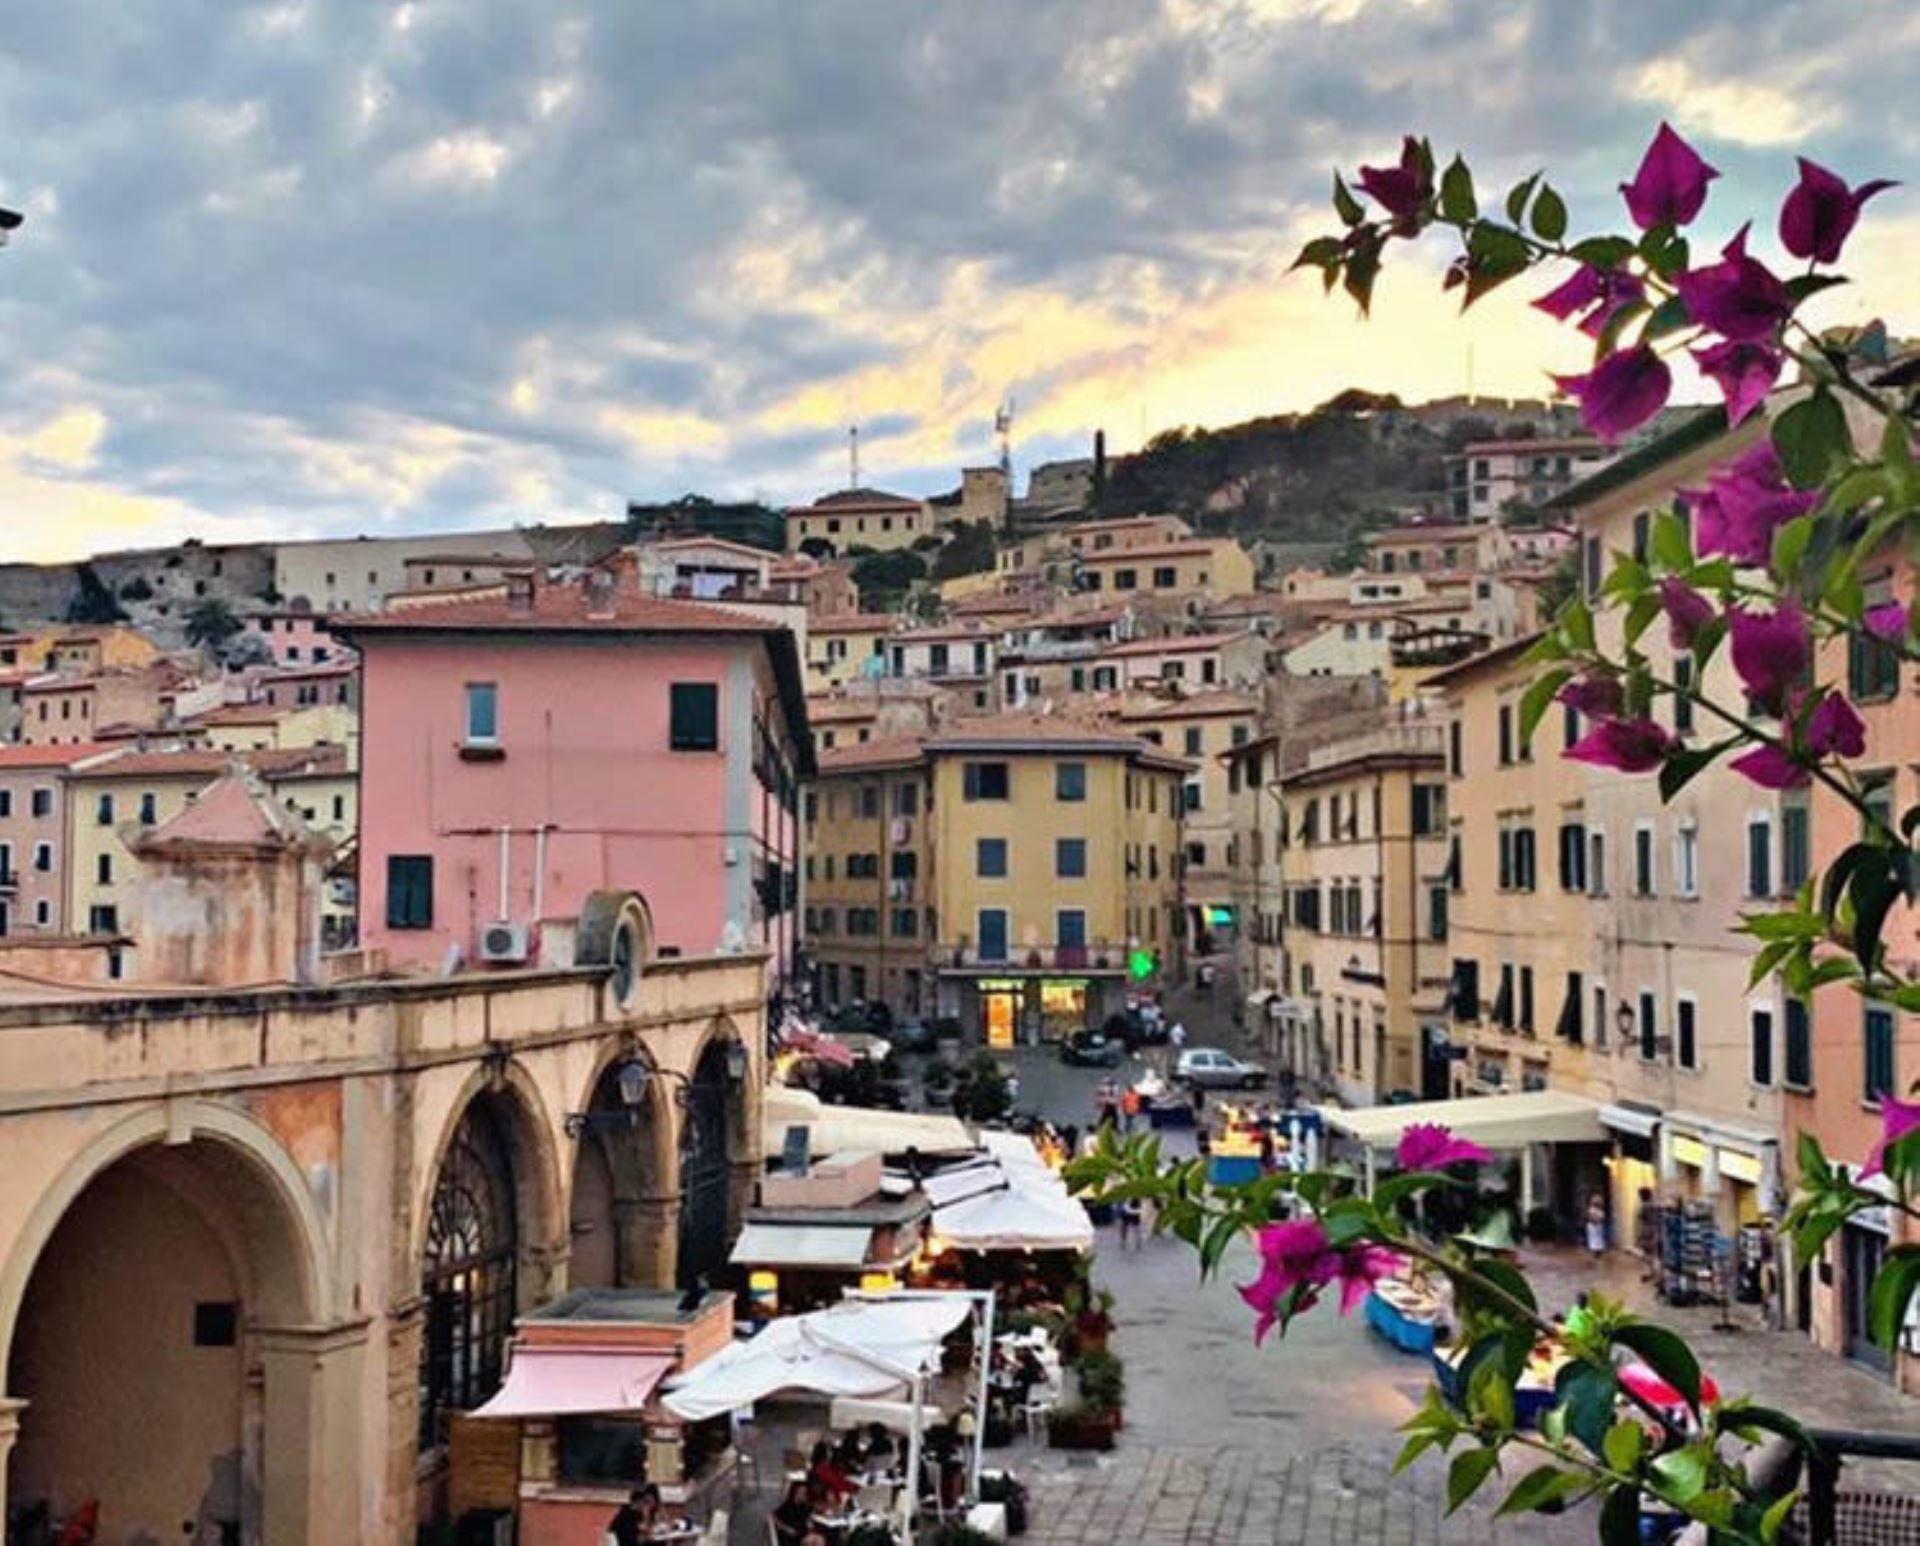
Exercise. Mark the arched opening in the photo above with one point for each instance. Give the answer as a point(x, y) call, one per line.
point(469, 1271)
point(620, 1217)
point(712, 1123)
point(150, 1349)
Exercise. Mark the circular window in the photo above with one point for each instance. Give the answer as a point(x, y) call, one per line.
point(626, 960)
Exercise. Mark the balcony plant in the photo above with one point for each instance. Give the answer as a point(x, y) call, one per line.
point(1767, 560)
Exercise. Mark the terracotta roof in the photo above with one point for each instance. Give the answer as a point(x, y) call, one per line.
point(1499, 447)
point(49, 756)
point(854, 622)
point(1419, 533)
point(234, 811)
point(244, 714)
point(1046, 732)
point(857, 499)
point(1200, 705)
point(1181, 644)
point(1499, 655)
point(295, 673)
point(555, 609)
point(889, 751)
point(725, 544)
point(269, 762)
point(1185, 547)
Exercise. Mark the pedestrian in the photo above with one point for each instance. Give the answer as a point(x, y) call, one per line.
point(1177, 1037)
point(1646, 1234)
point(1129, 1108)
point(1198, 1095)
point(1106, 1101)
point(1130, 1216)
point(1596, 1225)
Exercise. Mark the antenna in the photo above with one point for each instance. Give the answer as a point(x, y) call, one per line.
point(1003, 427)
point(853, 456)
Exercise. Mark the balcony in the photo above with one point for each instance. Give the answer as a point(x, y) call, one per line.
point(9, 880)
point(966, 956)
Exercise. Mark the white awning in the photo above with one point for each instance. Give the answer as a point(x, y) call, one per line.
point(550, 1382)
point(1630, 1119)
point(1492, 1121)
point(802, 1245)
point(857, 1129)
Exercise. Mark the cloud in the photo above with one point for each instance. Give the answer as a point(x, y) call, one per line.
point(368, 265)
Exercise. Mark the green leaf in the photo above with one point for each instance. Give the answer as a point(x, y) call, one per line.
point(1683, 765)
point(1538, 698)
point(1790, 546)
point(1456, 192)
point(1345, 203)
point(1492, 1396)
point(1668, 543)
point(1470, 1468)
point(1603, 251)
point(1669, 257)
point(1769, 957)
point(1620, 1517)
point(1682, 1474)
point(1765, 1419)
point(1321, 252)
point(1893, 1289)
point(1873, 890)
point(1641, 612)
point(1666, 1355)
point(1388, 1194)
point(1776, 1515)
point(1809, 437)
point(1542, 1485)
point(1668, 317)
point(1363, 267)
point(1625, 1440)
point(1494, 255)
point(1413, 1449)
point(1802, 286)
point(1896, 445)
point(1588, 1392)
point(1517, 198)
point(1707, 640)
point(1576, 622)
point(1549, 215)
point(1509, 1280)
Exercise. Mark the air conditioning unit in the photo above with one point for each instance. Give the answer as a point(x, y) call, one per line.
point(505, 942)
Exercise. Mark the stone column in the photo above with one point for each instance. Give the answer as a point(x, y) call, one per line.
point(312, 1489)
point(10, 1409)
point(400, 1505)
point(743, 1178)
point(646, 1240)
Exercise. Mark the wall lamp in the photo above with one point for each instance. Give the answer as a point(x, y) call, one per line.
point(632, 1082)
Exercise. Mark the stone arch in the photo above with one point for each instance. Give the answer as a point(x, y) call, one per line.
point(623, 1181)
point(715, 1160)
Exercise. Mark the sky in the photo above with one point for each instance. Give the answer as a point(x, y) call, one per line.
point(324, 267)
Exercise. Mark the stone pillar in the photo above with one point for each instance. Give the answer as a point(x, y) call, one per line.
point(401, 1504)
point(311, 1485)
point(10, 1409)
point(742, 1182)
point(646, 1241)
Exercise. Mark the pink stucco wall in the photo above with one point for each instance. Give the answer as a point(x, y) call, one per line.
point(584, 729)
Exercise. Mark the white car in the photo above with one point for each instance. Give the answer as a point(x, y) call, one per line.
point(1217, 1070)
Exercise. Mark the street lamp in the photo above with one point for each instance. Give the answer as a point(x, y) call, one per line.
point(632, 1082)
point(10, 220)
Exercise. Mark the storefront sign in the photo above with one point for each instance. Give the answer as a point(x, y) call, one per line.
point(1739, 1167)
point(1690, 1152)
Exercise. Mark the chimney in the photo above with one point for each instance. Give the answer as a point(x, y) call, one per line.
point(1097, 496)
point(599, 584)
point(519, 590)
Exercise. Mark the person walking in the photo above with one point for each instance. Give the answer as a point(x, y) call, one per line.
point(1130, 1217)
point(1129, 1108)
point(1596, 1225)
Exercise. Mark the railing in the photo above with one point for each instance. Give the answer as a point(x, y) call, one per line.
point(1833, 1447)
point(1079, 958)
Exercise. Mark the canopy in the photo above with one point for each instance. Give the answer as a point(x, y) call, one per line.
point(857, 1129)
point(1492, 1121)
point(1016, 1218)
point(865, 1348)
point(549, 1382)
point(851, 1412)
point(802, 1245)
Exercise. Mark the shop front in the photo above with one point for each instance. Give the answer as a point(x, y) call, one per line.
point(1030, 1008)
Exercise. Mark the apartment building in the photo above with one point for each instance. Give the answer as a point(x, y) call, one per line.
point(1488, 476)
point(357, 574)
point(955, 656)
point(1363, 824)
point(1189, 567)
point(848, 647)
point(1062, 543)
point(294, 638)
point(1190, 662)
point(837, 523)
point(33, 835)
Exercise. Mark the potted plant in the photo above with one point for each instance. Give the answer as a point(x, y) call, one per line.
point(1092, 1321)
point(1103, 1383)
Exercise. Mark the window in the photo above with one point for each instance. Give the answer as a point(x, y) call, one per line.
point(1506, 734)
point(1505, 840)
point(1429, 809)
point(148, 812)
point(1599, 1015)
point(1070, 928)
point(1596, 863)
point(1643, 876)
point(103, 869)
point(869, 802)
point(103, 919)
point(1573, 856)
point(1877, 1030)
point(409, 891)
point(103, 811)
point(1873, 666)
point(1070, 781)
point(695, 713)
point(903, 865)
point(1126, 579)
point(990, 858)
point(1569, 726)
point(1525, 868)
point(906, 923)
point(6, 802)
point(1794, 847)
point(1197, 856)
point(1682, 702)
point(1165, 577)
point(984, 781)
point(1762, 1040)
point(1436, 912)
point(1686, 860)
point(1642, 529)
point(1070, 858)
point(1759, 856)
point(1569, 1028)
point(1649, 1029)
point(1453, 748)
point(1191, 798)
point(43, 857)
point(1465, 995)
point(1194, 741)
point(1686, 1036)
point(1503, 999)
point(42, 913)
point(1454, 879)
point(483, 714)
point(1590, 566)
point(1239, 735)
point(993, 934)
point(1526, 999)
point(1797, 1064)
point(42, 802)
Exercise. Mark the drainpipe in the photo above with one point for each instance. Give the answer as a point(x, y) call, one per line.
point(506, 849)
point(539, 871)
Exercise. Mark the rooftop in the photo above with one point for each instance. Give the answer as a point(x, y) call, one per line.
point(857, 499)
point(201, 762)
point(854, 622)
point(1044, 732)
point(1181, 644)
point(235, 811)
point(555, 608)
point(49, 756)
point(1529, 447)
point(1186, 547)
point(1199, 706)
point(887, 752)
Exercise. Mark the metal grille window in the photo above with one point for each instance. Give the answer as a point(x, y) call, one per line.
point(409, 891)
point(695, 717)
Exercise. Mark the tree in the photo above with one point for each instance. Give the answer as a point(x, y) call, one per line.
point(136, 589)
point(816, 547)
point(93, 602)
point(970, 550)
point(883, 578)
point(211, 623)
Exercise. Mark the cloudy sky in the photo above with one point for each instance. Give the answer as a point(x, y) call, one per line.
point(324, 266)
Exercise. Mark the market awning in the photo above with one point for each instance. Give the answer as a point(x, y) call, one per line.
point(858, 1129)
point(802, 1245)
point(549, 1382)
point(1636, 1121)
point(1492, 1121)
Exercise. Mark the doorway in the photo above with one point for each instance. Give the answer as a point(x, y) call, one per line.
point(1862, 1251)
point(1000, 1014)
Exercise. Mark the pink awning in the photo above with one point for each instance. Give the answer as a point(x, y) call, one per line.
point(550, 1382)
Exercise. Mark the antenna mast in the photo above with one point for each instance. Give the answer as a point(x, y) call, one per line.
point(1003, 427)
point(853, 456)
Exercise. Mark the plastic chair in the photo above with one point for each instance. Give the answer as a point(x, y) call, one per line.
point(1034, 1408)
point(745, 1462)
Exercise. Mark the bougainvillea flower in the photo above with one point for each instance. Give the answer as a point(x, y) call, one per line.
point(1622, 392)
point(1671, 184)
point(1598, 697)
point(1687, 612)
point(1748, 501)
point(1597, 292)
point(1739, 297)
point(1432, 1146)
point(1292, 1255)
point(1359, 1268)
point(1834, 729)
point(1897, 1119)
point(1819, 212)
point(1625, 745)
point(1771, 768)
point(1771, 652)
point(1744, 372)
point(1886, 622)
point(1400, 190)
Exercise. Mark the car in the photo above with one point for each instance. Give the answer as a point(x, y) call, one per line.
point(1212, 1069)
point(912, 1034)
point(1091, 1049)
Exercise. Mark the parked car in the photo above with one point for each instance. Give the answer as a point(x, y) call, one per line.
point(1091, 1049)
point(912, 1035)
point(1213, 1069)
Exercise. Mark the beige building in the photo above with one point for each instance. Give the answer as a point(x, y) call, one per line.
point(836, 524)
point(1363, 825)
point(1189, 662)
point(847, 648)
point(357, 574)
point(265, 727)
point(1191, 567)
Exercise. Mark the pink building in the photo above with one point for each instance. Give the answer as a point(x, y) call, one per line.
point(304, 687)
point(33, 797)
point(524, 752)
point(296, 638)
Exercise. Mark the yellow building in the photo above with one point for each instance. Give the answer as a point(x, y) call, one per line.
point(847, 648)
point(1195, 566)
point(857, 518)
point(1364, 824)
point(1200, 728)
point(242, 727)
point(1019, 874)
point(867, 872)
